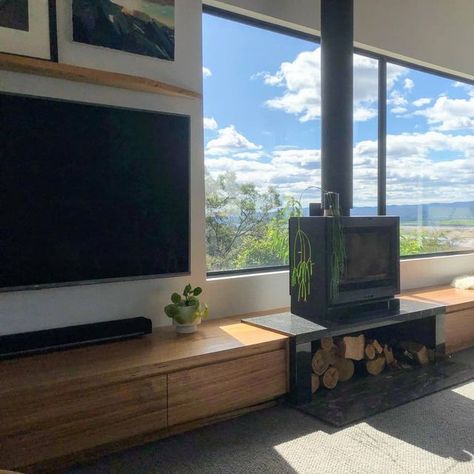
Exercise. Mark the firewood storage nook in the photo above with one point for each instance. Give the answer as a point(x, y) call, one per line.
point(347, 371)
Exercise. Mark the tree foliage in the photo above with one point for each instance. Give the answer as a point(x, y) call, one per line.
point(236, 215)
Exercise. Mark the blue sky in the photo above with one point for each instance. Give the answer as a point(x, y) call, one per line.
point(262, 109)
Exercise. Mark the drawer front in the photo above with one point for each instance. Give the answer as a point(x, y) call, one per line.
point(223, 387)
point(77, 420)
point(459, 330)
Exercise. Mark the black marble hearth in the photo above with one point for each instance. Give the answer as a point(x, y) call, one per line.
point(303, 330)
point(365, 396)
point(357, 399)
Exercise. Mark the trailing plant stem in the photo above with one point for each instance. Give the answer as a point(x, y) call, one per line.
point(302, 264)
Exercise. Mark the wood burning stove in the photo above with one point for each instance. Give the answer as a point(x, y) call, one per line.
point(368, 279)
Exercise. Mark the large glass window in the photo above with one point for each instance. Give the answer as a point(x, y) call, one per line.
point(262, 109)
point(262, 140)
point(430, 160)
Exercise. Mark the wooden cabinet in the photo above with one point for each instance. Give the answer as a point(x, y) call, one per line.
point(60, 408)
point(218, 388)
point(38, 425)
point(459, 329)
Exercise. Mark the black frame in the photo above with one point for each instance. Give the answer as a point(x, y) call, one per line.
point(53, 31)
point(383, 61)
point(98, 281)
point(53, 35)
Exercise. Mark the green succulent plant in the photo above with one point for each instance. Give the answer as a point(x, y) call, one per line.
point(188, 299)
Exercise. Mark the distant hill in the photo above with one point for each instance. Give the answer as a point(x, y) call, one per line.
point(453, 213)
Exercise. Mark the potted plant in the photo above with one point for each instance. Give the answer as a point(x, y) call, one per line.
point(186, 311)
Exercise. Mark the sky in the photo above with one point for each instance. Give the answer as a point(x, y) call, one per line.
point(262, 120)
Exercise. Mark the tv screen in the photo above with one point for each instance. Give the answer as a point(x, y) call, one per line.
point(91, 192)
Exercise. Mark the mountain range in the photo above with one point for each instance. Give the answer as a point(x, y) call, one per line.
point(453, 213)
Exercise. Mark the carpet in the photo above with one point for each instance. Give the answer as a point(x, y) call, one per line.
point(432, 435)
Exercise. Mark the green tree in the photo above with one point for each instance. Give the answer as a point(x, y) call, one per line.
point(271, 248)
point(235, 212)
point(424, 241)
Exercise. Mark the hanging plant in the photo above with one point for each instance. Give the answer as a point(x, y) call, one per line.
point(338, 256)
point(302, 264)
point(302, 270)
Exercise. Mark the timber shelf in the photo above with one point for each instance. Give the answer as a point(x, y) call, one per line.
point(11, 62)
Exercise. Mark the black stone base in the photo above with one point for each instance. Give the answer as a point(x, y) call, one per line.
point(366, 395)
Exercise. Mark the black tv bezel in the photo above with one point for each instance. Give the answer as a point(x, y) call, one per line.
point(382, 292)
point(99, 281)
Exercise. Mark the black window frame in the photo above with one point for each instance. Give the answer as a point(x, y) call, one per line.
point(383, 62)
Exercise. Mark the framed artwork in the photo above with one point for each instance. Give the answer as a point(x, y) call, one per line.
point(144, 27)
point(28, 28)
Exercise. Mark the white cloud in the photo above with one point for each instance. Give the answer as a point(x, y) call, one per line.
point(206, 72)
point(269, 79)
point(413, 176)
point(299, 157)
point(250, 155)
point(302, 83)
point(397, 98)
point(399, 110)
point(450, 114)
point(230, 141)
point(301, 80)
point(210, 123)
point(362, 114)
point(467, 87)
point(408, 84)
point(422, 101)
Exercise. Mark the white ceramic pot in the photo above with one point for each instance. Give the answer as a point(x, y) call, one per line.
point(187, 328)
point(187, 320)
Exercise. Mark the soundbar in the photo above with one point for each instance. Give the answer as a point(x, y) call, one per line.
point(29, 343)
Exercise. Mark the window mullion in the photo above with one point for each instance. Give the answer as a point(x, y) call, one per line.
point(382, 139)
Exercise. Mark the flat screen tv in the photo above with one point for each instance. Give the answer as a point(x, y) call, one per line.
point(91, 193)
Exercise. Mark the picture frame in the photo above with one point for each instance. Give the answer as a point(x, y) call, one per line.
point(139, 27)
point(28, 28)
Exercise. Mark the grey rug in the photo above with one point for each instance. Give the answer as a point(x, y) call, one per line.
point(432, 435)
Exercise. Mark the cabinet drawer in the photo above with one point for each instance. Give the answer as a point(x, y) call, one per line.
point(218, 388)
point(75, 420)
point(459, 330)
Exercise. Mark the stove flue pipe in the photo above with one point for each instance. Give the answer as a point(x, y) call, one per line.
point(337, 47)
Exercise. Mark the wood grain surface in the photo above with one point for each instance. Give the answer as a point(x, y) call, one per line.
point(11, 62)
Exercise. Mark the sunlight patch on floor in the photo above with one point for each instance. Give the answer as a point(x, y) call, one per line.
point(359, 448)
point(466, 390)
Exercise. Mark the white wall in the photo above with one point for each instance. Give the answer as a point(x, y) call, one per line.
point(32, 310)
point(39, 309)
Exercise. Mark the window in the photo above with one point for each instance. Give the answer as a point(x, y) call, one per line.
point(430, 160)
point(365, 171)
point(262, 108)
point(262, 140)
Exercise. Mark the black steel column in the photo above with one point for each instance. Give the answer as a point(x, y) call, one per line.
point(382, 140)
point(337, 37)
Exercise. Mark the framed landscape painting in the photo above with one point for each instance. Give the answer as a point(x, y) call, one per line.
point(25, 27)
point(144, 27)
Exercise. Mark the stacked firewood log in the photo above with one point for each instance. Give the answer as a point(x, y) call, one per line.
point(337, 359)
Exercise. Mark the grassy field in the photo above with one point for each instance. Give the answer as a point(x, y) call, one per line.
point(431, 239)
